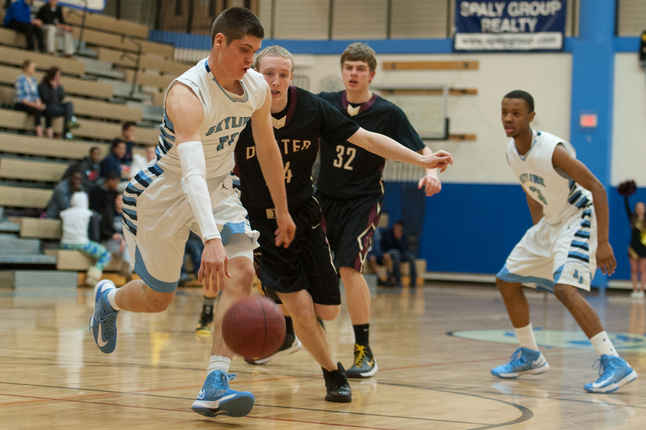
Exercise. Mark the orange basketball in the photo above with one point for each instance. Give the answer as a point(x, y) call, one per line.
point(254, 327)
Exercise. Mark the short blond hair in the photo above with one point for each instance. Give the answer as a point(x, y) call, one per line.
point(273, 51)
point(360, 52)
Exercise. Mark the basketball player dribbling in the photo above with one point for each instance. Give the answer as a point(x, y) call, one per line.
point(190, 188)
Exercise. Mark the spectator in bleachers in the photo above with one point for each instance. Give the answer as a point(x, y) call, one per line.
point(114, 161)
point(112, 235)
point(394, 245)
point(62, 195)
point(128, 136)
point(27, 97)
point(75, 222)
point(52, 94)
point(19, 18)
point(102, 194)
point(54, 26)
point(139, 162)
point(89, 167)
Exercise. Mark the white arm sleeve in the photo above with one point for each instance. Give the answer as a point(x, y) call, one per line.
point(191, 158)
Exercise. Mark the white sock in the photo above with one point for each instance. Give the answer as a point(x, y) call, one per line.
point(525, 336)
point(219, 362)
point(111, 299)
point(603, 344)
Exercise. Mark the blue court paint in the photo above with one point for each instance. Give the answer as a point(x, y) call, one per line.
point(557, 339)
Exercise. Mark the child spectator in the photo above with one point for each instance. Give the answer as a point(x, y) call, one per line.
point(27, 97)
point(18, 18)
point(51, 15)
point(76, 220)
point(89, 168)
point(52, 94)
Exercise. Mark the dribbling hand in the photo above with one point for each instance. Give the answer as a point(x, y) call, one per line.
point(214, 266)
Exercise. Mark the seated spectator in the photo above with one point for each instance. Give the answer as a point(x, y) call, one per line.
point(140, 162)
point(112, 235)
point(394, 245)
point(114, 161)
point(18, 18)
point(52, 94)
point(128, 136)
point(62, 195)
point(27, 97)
point(76, 220)
point(54, 26)
point(89, 168)
point(193, 249)
point(103, 194)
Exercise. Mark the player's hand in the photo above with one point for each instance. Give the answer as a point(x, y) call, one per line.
point(285, 231)
point(214, 266)
point(439, 160)
point(431, 183)
point(606, 258)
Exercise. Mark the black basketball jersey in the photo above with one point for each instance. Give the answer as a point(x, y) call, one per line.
point(308, 119)
point(348, 171)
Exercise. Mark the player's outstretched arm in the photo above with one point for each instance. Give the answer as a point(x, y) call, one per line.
point(430, 182)
point(392, 150)
point(584, 177)
point(185, 111)
point(271, 164)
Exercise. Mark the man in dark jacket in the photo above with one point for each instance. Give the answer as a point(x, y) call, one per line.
point(88, 166)
point(18, 18)
point(51, 14)
point(102, 195)
point(62, 194)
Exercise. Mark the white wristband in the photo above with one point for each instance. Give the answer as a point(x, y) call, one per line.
point(191, 158)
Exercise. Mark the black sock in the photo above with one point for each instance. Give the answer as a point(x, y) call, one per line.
point(362, 334)
point(289, 326)
point(207, 305)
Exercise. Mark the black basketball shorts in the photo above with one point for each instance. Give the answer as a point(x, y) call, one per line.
point(349, 227)
point(306, 264)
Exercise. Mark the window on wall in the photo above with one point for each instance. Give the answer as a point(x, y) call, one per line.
point(178, 7)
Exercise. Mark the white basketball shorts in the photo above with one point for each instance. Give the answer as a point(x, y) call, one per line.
point(550, 254)
point(157, 219)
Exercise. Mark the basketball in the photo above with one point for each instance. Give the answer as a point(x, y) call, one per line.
point(254, 327)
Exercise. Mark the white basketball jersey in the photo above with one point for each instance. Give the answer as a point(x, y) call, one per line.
point(559, 195)
point(225, 116)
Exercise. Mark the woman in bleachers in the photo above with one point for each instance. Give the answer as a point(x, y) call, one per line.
point(27, 97)
point(52, 94)
point(114, 161)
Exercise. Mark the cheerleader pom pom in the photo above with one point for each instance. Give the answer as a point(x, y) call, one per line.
point(627, 188)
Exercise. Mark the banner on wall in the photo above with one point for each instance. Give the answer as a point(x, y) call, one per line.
point(509, 25)
point(92, 5)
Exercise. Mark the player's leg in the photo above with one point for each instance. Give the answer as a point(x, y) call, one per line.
point(313, 337)
point(155, 257)
point(216, 397)
point(642, 276)
point(527, 359)
point(396, 257)
point(634, 273)
point(529, 262)
point(410, 258)
point(614, 371)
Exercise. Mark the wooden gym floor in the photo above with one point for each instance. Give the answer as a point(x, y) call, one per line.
point(435, 346)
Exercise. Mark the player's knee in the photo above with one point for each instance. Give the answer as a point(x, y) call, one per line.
point(327, 312)
point(507, 287)
point(565, 293)
point(158, 302)
point(244, 277)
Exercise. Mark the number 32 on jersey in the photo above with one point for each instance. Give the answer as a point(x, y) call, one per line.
point(344, 157)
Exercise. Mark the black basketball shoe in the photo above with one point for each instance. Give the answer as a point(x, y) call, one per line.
point(336, 383)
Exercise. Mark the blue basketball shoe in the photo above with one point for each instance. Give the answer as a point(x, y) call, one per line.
point(523, 361)
point(216, 398)
point(103, 322)
point(613, 373)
